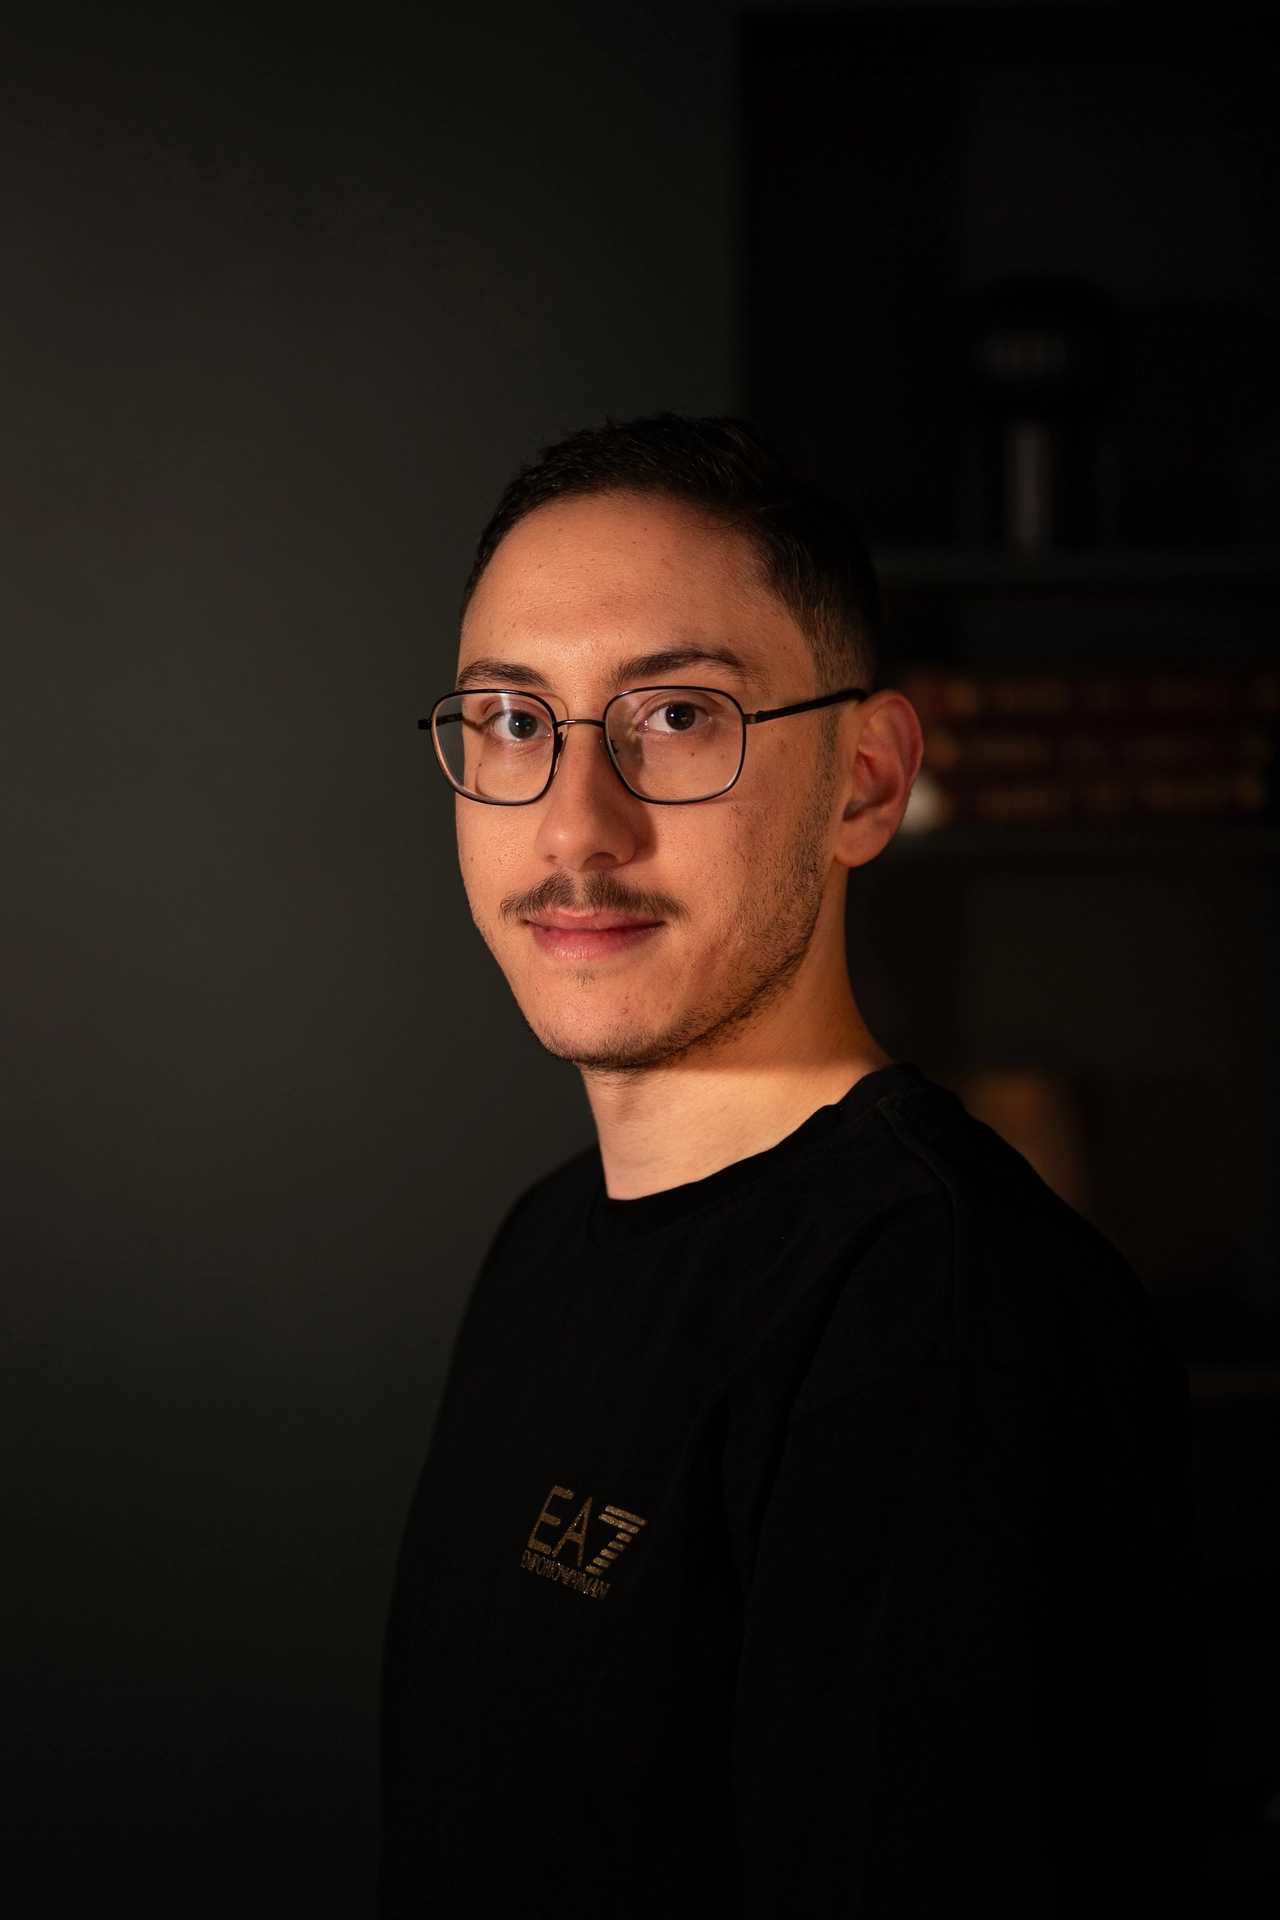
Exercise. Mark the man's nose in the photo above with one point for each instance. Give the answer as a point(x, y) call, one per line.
point(588, 818)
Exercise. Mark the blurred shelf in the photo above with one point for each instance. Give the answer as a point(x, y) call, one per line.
point(989, 569)
point(1199, 845)
point(1098, 610)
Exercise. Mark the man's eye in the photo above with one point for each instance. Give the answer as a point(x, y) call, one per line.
point(674, 716)
point(516, 726)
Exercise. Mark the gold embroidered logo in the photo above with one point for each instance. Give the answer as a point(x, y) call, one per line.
point(543, 1556)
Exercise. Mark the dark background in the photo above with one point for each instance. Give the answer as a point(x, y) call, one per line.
point(286, 296)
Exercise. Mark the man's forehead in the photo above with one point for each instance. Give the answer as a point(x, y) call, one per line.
point(638, 586)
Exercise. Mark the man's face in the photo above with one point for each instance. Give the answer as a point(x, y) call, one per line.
point(629, 932)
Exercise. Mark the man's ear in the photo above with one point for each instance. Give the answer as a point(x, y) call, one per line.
point(879, 751)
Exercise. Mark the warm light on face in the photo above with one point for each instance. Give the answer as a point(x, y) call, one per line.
point(629, 930)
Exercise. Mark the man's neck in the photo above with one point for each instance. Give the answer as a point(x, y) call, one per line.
point(667, 1125)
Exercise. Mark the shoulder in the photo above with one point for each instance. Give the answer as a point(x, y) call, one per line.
point(1027, 1266)
point(972, 1260)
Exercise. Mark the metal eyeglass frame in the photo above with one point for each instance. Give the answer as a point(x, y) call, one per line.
point(560, 727)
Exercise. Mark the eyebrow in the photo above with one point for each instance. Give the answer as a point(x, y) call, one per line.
point(677, 659)
point(499, 673)
point(641, 668)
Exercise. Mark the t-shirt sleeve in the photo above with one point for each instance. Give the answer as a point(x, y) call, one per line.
point(953, 1697)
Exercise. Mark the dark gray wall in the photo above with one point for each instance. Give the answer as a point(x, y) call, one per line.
point(282, 305)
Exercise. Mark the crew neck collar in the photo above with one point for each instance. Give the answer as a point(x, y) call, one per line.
point(612, 1223)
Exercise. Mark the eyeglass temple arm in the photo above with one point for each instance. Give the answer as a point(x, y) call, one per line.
point(806, 706)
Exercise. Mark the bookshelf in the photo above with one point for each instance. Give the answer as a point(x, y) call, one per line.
point(1119, 980)
point(897, 162)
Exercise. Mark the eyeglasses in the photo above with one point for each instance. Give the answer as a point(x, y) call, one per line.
point(671, 746)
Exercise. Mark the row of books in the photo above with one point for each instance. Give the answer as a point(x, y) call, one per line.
point(1045, 749)
point(959, 698)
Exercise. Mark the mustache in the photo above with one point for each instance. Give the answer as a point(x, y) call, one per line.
point(592, 893)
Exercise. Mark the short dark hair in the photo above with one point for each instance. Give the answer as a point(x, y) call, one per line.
point(810, 553)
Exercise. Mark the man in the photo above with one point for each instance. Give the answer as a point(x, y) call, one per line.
point(806, 1529)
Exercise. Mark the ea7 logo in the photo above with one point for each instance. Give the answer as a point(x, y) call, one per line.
point(543, 1556)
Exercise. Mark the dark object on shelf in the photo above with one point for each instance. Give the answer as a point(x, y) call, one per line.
point(1043, 358)
point(899, 158)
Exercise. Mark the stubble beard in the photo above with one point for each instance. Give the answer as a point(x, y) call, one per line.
point(772, 932)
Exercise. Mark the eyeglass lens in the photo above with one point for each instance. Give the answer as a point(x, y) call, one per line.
point(668, 743)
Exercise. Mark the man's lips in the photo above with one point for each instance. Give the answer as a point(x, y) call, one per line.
point(589, 936)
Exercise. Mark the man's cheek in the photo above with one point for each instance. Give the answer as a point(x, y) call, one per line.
point(484, 898)
point(483, 869)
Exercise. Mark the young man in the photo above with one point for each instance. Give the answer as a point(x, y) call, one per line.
point(806, 1530)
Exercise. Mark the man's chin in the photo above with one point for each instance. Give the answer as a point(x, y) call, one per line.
point(596, 1018)
point(632, 1046)
point(620, 1049)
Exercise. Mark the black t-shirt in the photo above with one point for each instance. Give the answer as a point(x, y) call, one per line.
point(814, 1539)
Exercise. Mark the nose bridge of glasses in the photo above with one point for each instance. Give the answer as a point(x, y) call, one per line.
point(607, 743)
point(562, 737)
point(561, 741)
